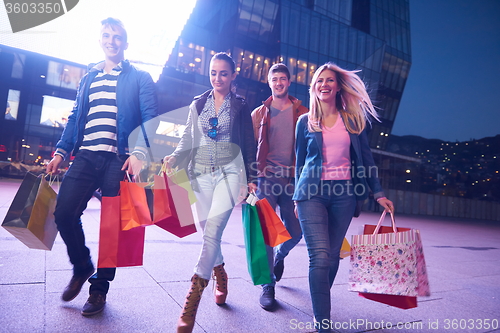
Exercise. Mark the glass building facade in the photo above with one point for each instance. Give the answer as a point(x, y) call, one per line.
point(370, 35)
point(39, 93)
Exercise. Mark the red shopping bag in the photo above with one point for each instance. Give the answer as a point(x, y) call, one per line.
point(402, 302)
point(118, 248)
point(388, 265)
point(179, 208)
point(135, 211)
point(180, 188)
point(273, 229)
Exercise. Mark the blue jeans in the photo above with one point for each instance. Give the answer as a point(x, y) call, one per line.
point(89, 171)
point(325, 219)
point(219, 189)
point(279, 191)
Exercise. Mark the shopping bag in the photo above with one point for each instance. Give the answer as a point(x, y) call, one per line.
point(173, 209)
point(118, 248)
point(345, 250)
point(135, 211)
point(389, 261)
point(30, 217)
point(273, 229)
point(180, 178)
point(258, 265)
point(161, 201)
point(402, 302)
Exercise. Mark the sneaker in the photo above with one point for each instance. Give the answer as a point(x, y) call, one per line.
point(267, 301)
point(94, 304)
point(279, 266)
point(75, 285)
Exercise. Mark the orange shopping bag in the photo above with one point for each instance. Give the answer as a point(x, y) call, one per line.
point(273, 229)
point(135, 211)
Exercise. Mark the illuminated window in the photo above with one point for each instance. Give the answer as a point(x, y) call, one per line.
point(18, 66)
point(312, 69)
point(246, 68)
point(301, 71)
point(265, 70)
point(64, 76)
point(55, 111)
point(291, 67)
point(258, 66)
point(170, 129)
point(238, 57)
point(12, 105)
point(191, 58)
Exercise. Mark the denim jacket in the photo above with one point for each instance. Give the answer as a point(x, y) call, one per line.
point(136, 101)
point(309, 160)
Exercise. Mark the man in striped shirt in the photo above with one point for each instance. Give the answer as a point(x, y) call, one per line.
point(112, 100)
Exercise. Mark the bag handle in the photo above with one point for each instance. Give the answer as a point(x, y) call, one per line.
point(252, 198)
point(382, 217)
point(133, 179)
point(166, 170)
point(53, 178)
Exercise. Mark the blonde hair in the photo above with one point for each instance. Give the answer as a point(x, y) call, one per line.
point(352, 100)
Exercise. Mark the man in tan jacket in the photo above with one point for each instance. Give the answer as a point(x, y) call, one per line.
point(274, 127)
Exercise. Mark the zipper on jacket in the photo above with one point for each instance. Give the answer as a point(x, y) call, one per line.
point(116, 97)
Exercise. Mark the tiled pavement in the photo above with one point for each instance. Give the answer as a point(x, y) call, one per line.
point(463, 259)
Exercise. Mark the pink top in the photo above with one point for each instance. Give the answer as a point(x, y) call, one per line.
point(336, 152)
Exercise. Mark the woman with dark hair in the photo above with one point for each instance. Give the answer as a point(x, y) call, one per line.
point(217, 147)
point(335, 172)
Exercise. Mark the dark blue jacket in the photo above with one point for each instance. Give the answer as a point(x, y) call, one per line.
point(309, 161)
point(136, 101)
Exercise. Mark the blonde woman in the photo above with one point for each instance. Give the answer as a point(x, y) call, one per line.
point(335, 172)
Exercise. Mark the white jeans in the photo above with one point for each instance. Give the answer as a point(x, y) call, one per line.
point(219, 188)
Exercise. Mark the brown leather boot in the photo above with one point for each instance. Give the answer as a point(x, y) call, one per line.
point(221, 284)
point(185, 323)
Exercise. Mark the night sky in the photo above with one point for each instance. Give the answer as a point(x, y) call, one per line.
point(454, 82)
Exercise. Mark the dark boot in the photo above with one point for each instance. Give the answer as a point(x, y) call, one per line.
point(221, 284)
point(75, 284)
point(267, 300)
point(185, 323)
point(94, 304)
